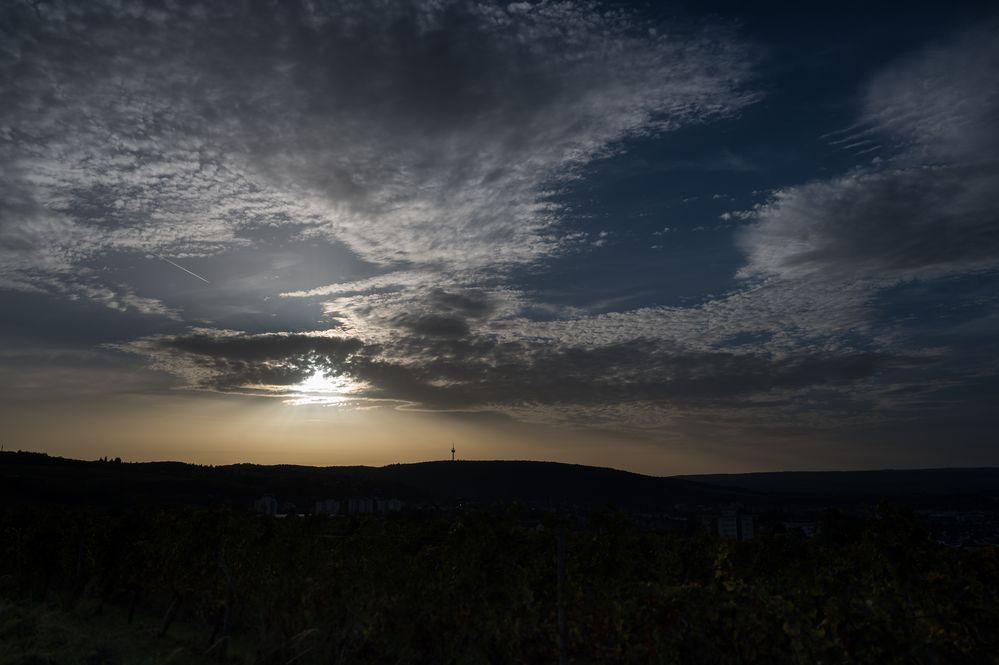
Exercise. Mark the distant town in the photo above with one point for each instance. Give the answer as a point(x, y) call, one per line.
point(958, 507)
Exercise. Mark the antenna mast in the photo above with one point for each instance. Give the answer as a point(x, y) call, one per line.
point(452, 452)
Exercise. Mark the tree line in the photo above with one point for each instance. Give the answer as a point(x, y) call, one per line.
point(487, 587)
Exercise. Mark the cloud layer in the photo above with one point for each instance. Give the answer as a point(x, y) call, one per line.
point(431, 370)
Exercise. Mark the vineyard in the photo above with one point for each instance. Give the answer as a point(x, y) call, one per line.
point(203, 586)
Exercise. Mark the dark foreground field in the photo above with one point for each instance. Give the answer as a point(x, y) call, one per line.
point(215, 585)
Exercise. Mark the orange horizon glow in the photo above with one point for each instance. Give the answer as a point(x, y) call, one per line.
point(234, 429)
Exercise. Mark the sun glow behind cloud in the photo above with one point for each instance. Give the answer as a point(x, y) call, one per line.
point(320, 389)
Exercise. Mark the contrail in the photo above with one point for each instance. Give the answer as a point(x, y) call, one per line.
point(193, 274)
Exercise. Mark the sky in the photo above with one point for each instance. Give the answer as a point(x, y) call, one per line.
point(669, 238)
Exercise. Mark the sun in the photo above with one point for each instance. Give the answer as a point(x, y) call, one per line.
point(320, 383)
point(322, 389)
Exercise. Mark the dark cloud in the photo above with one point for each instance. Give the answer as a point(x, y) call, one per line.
point(434, 325)
point(476, 373)
point(473, 304)
point(443, 313)
point(258, 348)
point(230, 361)
point(643, 370)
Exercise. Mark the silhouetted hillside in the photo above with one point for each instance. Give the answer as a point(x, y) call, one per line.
point(29, 477)
point(544, 482)
point(34, 478)
point(38, 478)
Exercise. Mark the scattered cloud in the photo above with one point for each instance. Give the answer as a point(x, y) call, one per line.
point(427, 135)
point(930, 211)
point(916, 222)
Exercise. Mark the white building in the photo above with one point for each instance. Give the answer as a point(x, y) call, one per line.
point(266, 504)
point(728, 526)
point(746, 527)
point(360, 506)
point(807, 527)
point(384, 506)
point(327, 507)
point(733, 526)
